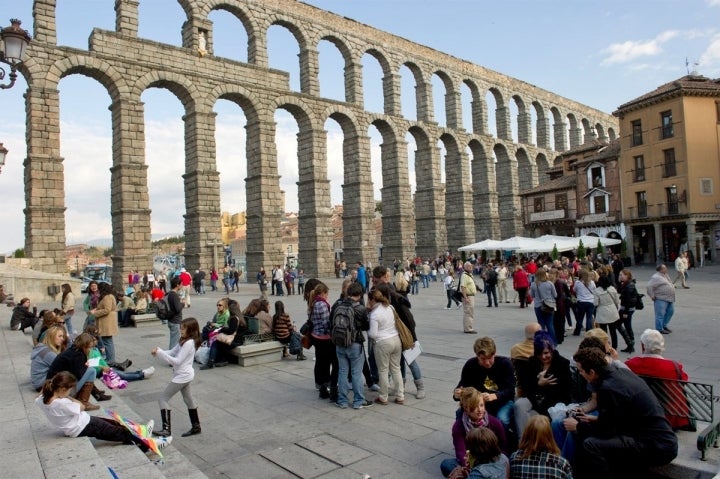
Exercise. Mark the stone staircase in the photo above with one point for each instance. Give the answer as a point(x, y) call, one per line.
point(31, 448)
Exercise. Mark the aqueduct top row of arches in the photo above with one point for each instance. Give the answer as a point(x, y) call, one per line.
point(127, 65)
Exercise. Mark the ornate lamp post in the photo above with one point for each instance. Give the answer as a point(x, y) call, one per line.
point(14, 42)
point(3, 154)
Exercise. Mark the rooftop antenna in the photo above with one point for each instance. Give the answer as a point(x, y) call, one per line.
point(694, 71)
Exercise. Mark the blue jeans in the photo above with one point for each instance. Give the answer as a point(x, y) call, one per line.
point(564, 439)
point(546, 321)
point(350, 360)
point(414, 369)
point(414, 287)
point(425, 281)
point(505, 415)
point(174, 334)
point(68, 324)
point(109, 349)
point(664, 311)
point(447, 466)
point(88, 377)
point(584, 310)
point(126, 375)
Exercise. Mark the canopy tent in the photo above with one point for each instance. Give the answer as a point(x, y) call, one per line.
point(543, 244)
point(487, 245)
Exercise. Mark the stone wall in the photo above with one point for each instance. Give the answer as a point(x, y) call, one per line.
point(443, 216)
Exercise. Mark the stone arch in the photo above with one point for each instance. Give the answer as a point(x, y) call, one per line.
point(252, 29)
point(487, 223)
point(588, 130)
point(527, 170)
point(478, 108)
point(451, 101)
point(236, 94)
point(506, 178)
point(352, 73)
point(103, 72)
point(301, 111)
point(423, 96)
point(502, 114)
point(458, 193)
point(177, 84)
point(524, 123)
point(390, 83)
point(559, 130)
point(575, 130)
point(542, 126)
point(600, 131)
point(543, 164)
point(611, 133)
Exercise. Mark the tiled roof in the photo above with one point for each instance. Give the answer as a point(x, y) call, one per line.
point(562, 183)
point(612, 150)
point(693, 85)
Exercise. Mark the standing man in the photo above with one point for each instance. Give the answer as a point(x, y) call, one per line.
point(262, 283)
point(176, 308)
point(362, 276)
point(278, 277)
point(681, 266)
point(662, 292)
point(502, 277)
point(631, 432)
point(185, 281)
point(491, 278)
point(468, 289)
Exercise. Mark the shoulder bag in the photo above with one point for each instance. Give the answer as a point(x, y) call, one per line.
point(406, 339)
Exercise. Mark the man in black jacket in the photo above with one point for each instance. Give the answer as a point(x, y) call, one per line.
point(22, 317)
point(176, 307)
point(631, 432)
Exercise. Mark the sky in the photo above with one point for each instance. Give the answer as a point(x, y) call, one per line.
point(601, 54)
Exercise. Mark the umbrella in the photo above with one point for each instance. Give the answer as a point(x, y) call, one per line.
point(138, 430)
point(487, 244)
point(521, 243)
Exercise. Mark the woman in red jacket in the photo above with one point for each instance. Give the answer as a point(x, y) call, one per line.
point(521, 283)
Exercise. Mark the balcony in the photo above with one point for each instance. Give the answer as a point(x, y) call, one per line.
point(656, 211)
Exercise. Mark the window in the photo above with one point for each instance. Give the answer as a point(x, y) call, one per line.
point(596, 177)
point(636, 133)
point(706, 186)
point(667, 125)
point(641, 199)
point(561, 202)
point(672, 200)
point(599, 204)
point(669, 165)
point(539, 204)
point(639, 168)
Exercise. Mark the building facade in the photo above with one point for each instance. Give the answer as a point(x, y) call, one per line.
point(669, 169)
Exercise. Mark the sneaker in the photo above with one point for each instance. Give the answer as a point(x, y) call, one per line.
point(447, 307)
point(459, 305)
point(375, 387)
point(363, 405)
point(163, 441)
point(147, 373)
point(149, 426)
point(341, 406)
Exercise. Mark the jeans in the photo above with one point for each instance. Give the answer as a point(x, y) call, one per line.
point(546, 320)
point(491, 292)
point(174, 334)
point(425, 281)
point(350, 359)
point(110, 430)
point(130, 375)
point(505, 415)
point(88, 377)
point(414, 287)
point(448, 465)
point(68, 324)
point(564, 439)
point(109, 349)
point(664, 311)
point(584, 310)
point(449, 293)
point(414, 369)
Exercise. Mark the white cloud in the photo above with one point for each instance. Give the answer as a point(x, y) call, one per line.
point(710, 59)
point(630, 50)
point(713, 3)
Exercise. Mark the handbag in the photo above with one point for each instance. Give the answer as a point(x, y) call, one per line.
point(295, 344)
point(225, 338)
point(406, 339)
point(306, 341)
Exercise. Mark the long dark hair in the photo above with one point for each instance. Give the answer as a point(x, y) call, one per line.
point(66, 289)
point(192, 331)
point(62, 380)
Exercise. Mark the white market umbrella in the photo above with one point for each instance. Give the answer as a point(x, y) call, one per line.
point(486, 245)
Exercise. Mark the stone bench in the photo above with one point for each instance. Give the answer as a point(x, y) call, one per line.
point(143, 319)
point(253, 353)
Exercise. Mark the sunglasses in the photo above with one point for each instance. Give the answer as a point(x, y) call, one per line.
point(60, 322)
point(220, 305)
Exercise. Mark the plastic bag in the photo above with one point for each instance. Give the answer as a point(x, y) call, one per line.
point(559, 411)
point(202, 355)
point(111, 379)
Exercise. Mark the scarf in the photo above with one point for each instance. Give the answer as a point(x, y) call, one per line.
point(468, 424)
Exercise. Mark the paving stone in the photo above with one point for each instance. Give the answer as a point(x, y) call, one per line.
point(333, 449)
point(299, 461)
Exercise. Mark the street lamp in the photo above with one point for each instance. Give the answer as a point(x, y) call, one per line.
point(14, 42)
point(3, 154)
point(77, 266)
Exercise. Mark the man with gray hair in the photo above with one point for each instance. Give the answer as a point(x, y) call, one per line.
point(651, 363)
point(662, 292)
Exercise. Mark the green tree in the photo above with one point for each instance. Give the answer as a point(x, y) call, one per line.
point(555, 253)
point(581, 250)
point(19, 253)
point(108, 252)
point(600, 248)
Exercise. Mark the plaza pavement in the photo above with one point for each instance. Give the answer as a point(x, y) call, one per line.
point(267, 421)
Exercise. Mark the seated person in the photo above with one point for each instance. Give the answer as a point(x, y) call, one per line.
point(493, 376)
point(537, 454)
point(471, 415)
point(283, 329)
point(126, 307)
point(96, 361)
point(259, 309)
point(521, 352)
point(484, 458)
point(219, 320)
point(631, 433)
point(74, 360)
point(236, 324)
point(544, 379)
point(44, 353)
point(651, 363)
point(23, 317)
point(49, 318)
point(6, 297)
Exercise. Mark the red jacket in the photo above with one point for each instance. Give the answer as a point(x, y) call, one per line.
point(185, 278)
point(520, 280)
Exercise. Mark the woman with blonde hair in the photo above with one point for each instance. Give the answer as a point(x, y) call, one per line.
point(538, 454)
point(387, 347)
point(45, 352)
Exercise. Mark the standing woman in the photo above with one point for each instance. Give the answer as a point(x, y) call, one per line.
point(387, 346)
point(326, 363)
point(67, 305)
point(181, 359)
point(585, 305)
point(91, 302)
point(563, 291)
point(521, 283)
point(106, 320)
point(628, 301)
point(543, 290)
point(606, 313)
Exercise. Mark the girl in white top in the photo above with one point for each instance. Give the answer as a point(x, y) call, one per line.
point(181, 359)
point(68, 415)
point(387, 343)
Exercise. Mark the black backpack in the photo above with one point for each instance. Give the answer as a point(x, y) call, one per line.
point(344, 330)
point(162, 308)
point(638, 301)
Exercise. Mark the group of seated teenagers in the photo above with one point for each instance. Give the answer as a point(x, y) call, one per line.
point(533, 424)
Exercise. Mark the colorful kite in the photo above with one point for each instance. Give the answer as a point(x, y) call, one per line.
point(140, 431)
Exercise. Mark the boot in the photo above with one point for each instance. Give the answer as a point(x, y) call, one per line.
point(420, 394)
point(324, 391)
point(100, 395)
point(166, 423)
point(333, 394)
point(195, 422)
point(121, 366)
point(629, 343)
point(210, 364)
point(83, 395)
